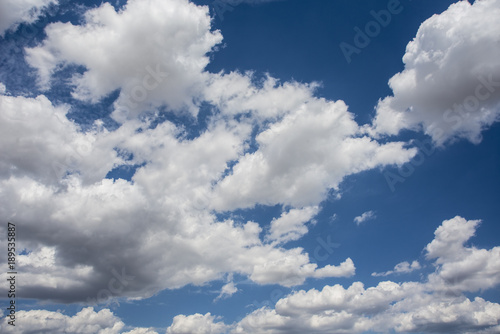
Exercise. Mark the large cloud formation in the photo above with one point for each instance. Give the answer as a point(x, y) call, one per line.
point(402, 307)
point(299, 158)
point(153, 51)
point(451, 82)
point(88, 238)
point(88, 227)
point(91, 231)
point(389, 306)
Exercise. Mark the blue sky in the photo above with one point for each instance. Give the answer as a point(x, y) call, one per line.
point(228, 167)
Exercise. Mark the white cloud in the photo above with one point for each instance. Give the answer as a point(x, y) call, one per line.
point(87, 321)
point(48, 145)
point(78, 268)
point(355, 299)
point(42, 258)
point(141, 331)
point(448, 243)
point(451, 82)
point(196, 324)
point(13, 12)
point(460, 315)
point(368, 215)
point(171, 193)
point(307, 146)
point(291, 225)
point(236, 93)
point(462, 268)
point(153, 51)
point(302, 156)
point(94, 237)
point(331, 310)
point(405, 267)
point(52, 175)
point(401, 268)
point(227, 289)
point(401, 307)
point(292, 268)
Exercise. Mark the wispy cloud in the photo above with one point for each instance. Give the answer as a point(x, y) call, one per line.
point(368, 215)
point(400, 268)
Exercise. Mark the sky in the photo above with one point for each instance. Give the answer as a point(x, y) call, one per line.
point(250, 166)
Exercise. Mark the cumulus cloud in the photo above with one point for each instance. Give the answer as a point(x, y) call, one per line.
point(451, 82)
point(291, 225)
point(84, 235)
point(331, 310)
point(401, 268)
point(462, 268)
point(448, 243)
point(94, 269)
point(196, 323)
point(368, 215)
point(48, 145)
point(236, 93)
point(307, 146)
point(389, 306)
point(141, 331)
point(13, 12)
point(91, 229)
point(406, 307)
point(461, 315)
point(154, 52)
point(293, 267)
point(87, 321)
point(302, 156)
point(56, 173)
point(62, 209)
